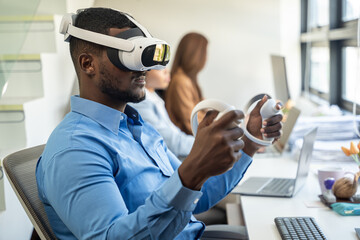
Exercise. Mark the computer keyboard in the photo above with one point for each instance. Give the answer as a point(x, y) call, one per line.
point(278, 185)
point(298, 228)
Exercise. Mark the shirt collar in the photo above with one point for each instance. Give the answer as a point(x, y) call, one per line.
point(106, 116)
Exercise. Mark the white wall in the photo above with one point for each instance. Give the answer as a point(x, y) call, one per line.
point(242, 35)
point(290, 43)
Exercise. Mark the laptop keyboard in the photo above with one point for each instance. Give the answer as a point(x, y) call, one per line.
point(298, 228)
point(278, 185)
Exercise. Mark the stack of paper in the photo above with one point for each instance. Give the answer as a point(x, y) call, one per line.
point(333, 133)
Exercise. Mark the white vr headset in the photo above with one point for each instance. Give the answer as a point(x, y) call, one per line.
point(132, 50)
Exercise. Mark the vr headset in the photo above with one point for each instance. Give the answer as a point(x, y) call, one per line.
point(132, 50)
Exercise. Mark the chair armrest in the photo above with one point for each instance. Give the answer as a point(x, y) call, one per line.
point(223, 231)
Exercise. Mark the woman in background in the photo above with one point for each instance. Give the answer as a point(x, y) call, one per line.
point(152, 110)
point(184, 91)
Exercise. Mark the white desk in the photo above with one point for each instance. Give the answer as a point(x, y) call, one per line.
point(259, 212)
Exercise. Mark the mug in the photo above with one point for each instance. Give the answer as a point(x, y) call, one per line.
point(333, 172)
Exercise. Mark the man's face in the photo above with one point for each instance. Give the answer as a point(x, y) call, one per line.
point(118, 84)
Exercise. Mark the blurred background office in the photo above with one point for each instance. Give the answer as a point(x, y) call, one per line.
point(317, 37)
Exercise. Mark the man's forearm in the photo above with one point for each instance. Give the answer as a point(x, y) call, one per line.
point(250, 147)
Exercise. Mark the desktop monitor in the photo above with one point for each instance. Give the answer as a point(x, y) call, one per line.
point(280, 78)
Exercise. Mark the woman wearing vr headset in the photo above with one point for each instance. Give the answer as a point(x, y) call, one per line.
point(184, 91)
point(107, 174)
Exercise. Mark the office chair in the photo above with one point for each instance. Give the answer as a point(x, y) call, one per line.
point(20, 170)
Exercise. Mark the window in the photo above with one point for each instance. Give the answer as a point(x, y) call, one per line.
point(351, 84)
point(329, 54)
point(319, 73)
point(319, 13)
point(351, 10)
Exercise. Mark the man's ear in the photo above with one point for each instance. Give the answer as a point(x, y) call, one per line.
point(87, 64)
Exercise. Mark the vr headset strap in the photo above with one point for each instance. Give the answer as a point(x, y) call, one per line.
point(100, 39)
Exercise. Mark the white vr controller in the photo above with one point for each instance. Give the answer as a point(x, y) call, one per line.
point(268, 110)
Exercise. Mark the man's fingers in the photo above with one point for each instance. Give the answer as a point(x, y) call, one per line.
point(273, 120)
point(273, 128)
point(208, 119)
point(234, 133)
point(276, 134)
point(228, 118)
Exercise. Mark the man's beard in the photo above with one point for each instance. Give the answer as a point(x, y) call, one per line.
point(108, 86)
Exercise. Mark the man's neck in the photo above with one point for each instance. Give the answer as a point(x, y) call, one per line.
point(120, 106)
point(150, 89)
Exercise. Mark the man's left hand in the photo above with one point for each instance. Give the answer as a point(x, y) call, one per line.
point(272, 127)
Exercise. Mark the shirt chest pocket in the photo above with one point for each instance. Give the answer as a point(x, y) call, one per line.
point(162, 161)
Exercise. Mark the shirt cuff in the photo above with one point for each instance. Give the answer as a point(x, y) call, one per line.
point(178, 196)
point(245, 158)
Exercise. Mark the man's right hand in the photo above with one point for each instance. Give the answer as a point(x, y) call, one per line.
point(215, 150)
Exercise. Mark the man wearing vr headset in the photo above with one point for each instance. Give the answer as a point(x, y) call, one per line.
point(107, 174)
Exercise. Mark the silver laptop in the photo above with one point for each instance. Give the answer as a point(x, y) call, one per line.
point(282, 187)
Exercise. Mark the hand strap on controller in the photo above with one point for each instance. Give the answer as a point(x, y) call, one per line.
point(222, 107)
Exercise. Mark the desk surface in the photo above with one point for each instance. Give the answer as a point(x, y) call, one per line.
point(259, 212)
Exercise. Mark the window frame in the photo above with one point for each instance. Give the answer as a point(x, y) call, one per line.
point(336, 35)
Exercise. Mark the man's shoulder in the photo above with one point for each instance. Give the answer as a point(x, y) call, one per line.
point(75, 131)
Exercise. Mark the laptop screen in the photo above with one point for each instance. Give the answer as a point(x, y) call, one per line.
point(305, 159)
point(280, 78)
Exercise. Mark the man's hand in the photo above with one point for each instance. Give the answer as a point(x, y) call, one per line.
point(272, 127)
point(215, 150)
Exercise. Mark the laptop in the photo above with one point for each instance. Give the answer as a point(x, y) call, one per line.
point(280, 78)
point(282, 187)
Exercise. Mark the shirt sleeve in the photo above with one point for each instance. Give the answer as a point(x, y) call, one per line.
point(217, 187)
point(85, 196)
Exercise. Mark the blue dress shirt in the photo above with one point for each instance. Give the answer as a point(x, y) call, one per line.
point(153, 110)
point(105, 174)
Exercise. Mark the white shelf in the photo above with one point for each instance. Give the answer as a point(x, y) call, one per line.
point(27, 34)
point(24, 78)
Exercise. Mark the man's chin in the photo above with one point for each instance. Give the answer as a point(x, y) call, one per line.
point(137, 99)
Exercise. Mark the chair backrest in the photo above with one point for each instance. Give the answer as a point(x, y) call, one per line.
point(20, 170)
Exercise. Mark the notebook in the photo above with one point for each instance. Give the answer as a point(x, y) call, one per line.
point(282, 187)
point(287, 128)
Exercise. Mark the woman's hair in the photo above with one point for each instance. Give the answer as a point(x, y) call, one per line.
point(191, 56)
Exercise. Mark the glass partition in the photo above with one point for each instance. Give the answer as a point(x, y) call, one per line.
point(11, 12)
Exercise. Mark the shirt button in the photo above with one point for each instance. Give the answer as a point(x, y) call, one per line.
point(121, 118)
point(196, 201)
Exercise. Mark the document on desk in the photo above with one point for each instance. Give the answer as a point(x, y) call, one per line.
point(328, 150)
point(314, 204)
point(331, 128)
